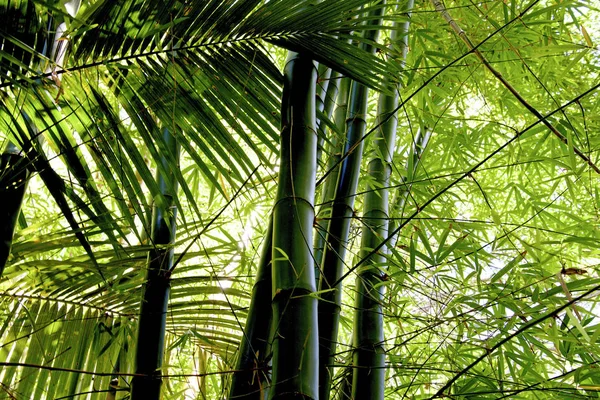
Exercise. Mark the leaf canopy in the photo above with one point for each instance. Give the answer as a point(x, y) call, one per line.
point(495, 210)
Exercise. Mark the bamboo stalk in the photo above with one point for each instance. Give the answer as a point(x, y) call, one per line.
point(295, 341)
point(342, 212)
point(340, 89)
point(368, 357)
point(250, 380)
point(322, 90)
point(150, 345)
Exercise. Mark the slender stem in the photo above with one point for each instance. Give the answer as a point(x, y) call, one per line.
point(368, 358)
point(340, 88)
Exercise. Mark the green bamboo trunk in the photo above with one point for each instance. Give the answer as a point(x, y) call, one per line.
point(14, 175)
point(339, 89)
point(250, 381)
point(368, 358)
point(295, 340)
point(341, 214)
point(153, 314)
point(322, 91)
point(334, 251)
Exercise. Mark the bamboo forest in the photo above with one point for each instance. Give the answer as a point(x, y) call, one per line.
point(299, 199)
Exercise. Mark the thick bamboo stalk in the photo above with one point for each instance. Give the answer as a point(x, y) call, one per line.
point(295, 341)
point(14, 176)
point(250, 381)
point(342, 212)
point(153, 313)
point(368, 353)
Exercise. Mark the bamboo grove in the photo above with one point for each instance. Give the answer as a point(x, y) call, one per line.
point(305, 199)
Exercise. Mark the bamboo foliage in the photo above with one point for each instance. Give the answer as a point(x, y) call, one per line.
point(412, 164)
point(18, 163)
point(53, 368)
point(490, 259)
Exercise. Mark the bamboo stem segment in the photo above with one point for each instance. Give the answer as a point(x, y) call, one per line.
point(295, 341)
point(153, 313)
point(250, 379)
point(341, 215)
